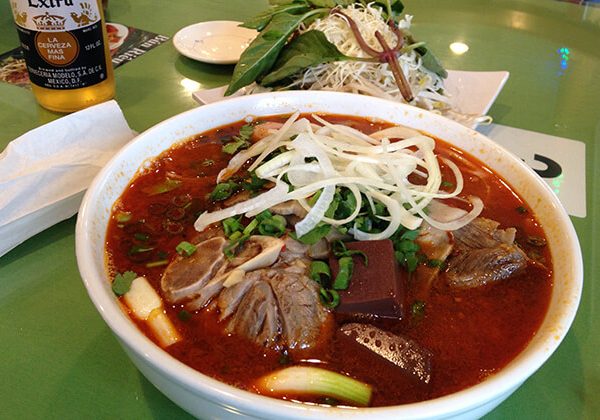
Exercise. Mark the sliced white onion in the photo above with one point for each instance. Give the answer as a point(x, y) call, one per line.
point(257, 204)
point(460, 222)
point(316, 214)
point(322, 158)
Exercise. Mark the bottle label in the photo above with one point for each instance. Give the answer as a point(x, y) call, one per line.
point(62, 42)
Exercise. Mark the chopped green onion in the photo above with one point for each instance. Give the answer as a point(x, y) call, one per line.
point(167, 185)
point(254, 183)
point(320, 272)
point(232, 225)
point(411, 262)
point(158, 263)
point(339, 249)
point(123, 216)
point(329, 297)
point(234, 241)
point(138, 249)
point(408, 246)
point(342, 280)
point(223, 191)
point(275, 226)
point(521, 210)
point(251, 226)
point(418, 309)
point(435, 263)
point(122, 282)
point(208, 162)
point(185, 248)
point(163, 255)
point(410, 235)
point(235, 235)
point(315, 381)
point(141, 236)
point(184, 315)
point(314, 198)
point(447, 184)
point(264, 215)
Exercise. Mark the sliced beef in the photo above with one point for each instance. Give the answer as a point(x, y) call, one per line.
point(484, 254)
point(256, 317)
point(289, 208)
point(301, 310)
point(263, 293)
point(230, 298)
point(206, 293)
point(401, 353)
point(483, 233)
point(197, 279)
point(185, 276)
point(437, 245)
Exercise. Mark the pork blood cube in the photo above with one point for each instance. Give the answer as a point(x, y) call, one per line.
point(377, 289)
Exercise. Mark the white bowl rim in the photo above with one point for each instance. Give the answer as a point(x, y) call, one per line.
point(508, 378)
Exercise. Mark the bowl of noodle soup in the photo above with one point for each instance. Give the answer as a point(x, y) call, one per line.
point(204, 396)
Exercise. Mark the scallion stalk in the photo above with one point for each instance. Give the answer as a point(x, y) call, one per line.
point(317, 382)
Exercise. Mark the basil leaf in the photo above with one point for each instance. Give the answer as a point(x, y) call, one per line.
point(309, 49)
point(331, 3)
point(391, 8)
point(260, 21)
point(261, 54)
point(431, 62)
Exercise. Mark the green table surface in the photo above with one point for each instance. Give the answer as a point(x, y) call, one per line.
point(57, 357)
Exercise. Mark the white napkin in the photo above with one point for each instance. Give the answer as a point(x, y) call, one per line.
point(44, 173)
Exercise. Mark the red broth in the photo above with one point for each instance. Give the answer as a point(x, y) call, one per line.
point(471, 333)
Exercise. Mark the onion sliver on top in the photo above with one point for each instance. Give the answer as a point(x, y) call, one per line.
point(319, 158)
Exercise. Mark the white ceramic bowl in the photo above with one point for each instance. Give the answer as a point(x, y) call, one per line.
point(208, 398)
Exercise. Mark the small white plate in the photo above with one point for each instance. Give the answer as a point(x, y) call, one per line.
point(215, 42)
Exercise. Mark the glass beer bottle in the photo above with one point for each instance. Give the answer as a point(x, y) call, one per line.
point(65, 45)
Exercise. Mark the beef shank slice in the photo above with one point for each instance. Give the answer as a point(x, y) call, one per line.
point(185, 276)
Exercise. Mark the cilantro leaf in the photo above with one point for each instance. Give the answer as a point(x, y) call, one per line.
point(241, 141)
point(122, 282)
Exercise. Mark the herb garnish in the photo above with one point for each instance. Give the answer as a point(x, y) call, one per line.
point(122, 282)
point(223, 191)
point(167, 185)
point(185, 248)
point(241, 141)
point(267, 62)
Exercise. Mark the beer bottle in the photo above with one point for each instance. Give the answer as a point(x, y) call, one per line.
point(66, 51)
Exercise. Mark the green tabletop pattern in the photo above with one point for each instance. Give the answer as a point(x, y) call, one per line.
point(57, 357)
